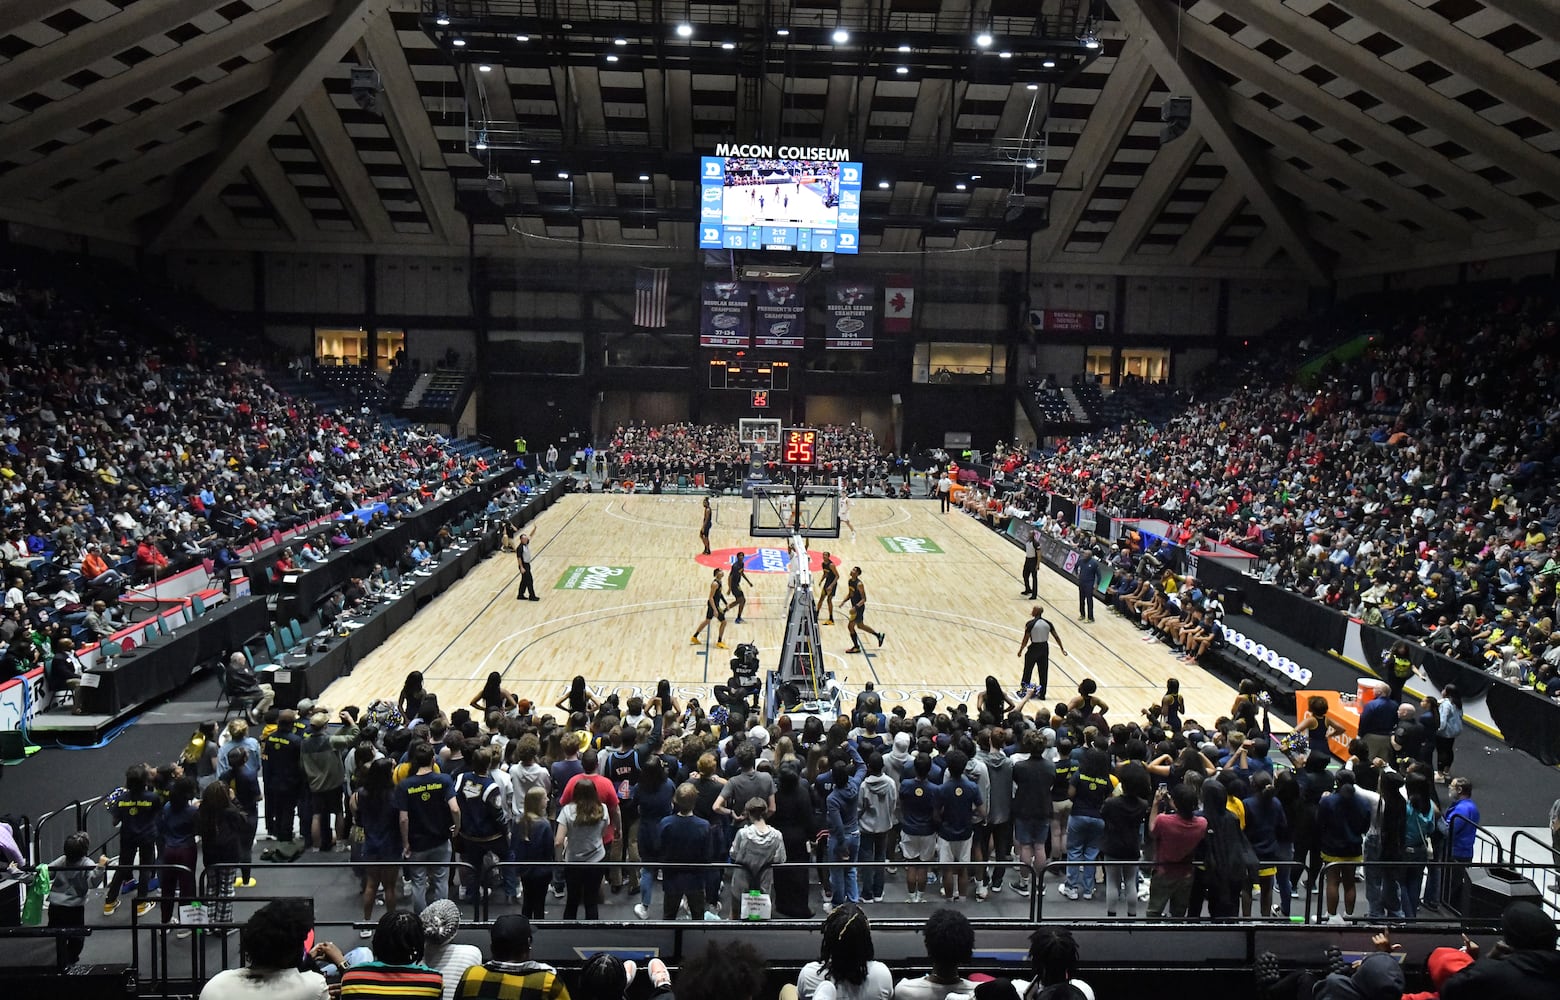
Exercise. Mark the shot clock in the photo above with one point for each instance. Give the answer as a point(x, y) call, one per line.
point(799, 447)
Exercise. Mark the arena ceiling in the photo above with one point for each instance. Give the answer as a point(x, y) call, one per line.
point(1326, 135)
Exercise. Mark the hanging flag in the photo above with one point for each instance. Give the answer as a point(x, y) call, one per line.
point(898, 304)
point(650, 296)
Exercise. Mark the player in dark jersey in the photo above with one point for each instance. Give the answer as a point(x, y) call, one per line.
point(735, 582)
point(856, 597)
point(704, 527)
point(831, 586)
point(714, 609)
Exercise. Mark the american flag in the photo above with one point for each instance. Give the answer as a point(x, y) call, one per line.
point(650, 296)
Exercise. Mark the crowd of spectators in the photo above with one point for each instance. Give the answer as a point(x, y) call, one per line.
point(127, 455)
point(1414, 487)
point(651, 457)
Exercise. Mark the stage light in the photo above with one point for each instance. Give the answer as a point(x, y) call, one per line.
point(840, 36)
point(983, 39)
point(685, 30)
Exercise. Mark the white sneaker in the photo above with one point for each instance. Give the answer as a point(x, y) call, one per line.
point(641, 911)
point(980, 890)
point(915, 897)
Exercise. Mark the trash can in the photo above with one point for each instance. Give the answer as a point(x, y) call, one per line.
point(1487, 891)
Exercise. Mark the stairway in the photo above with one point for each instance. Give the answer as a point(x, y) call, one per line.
point(1078, 412)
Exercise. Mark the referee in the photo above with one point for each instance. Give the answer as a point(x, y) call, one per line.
point(1031, 563)
point(1035, 648)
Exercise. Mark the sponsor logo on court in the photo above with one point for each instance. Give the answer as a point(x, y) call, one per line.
point(595, 578)
point(909, 544)
point(761, 560)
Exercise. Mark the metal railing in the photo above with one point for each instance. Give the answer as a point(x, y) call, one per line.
point(1469, 893)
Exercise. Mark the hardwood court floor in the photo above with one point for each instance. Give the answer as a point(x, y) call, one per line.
point(952, 613)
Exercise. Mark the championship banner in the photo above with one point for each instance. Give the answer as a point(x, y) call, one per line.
point(723, 316)
point(898, 304)
point(1069, 320)
point(850, 318)
point(782, 320)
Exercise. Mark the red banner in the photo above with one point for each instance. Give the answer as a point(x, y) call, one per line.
point(1069, 320)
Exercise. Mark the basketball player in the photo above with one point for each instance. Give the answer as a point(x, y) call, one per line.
point(735, 582)
point(856, 597)
point(714, 609)
point(831, 584)
point(1035, 648)
point(704, 528)
point(845, 514)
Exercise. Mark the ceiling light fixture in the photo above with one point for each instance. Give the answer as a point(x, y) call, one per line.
point(1090, 37)
point(1031, 164)
point(535, 161)
point(611, 58)
point(482, 140)
point(961, 186)
point(563, 175)
point(904, 48)
point(619, 41)
point(644, 177)
point(902, 70)
point(883, 185)
point(1004, 54)
point(443, 20)
point(1033, 86)
point(1048, 64)
point(458, 42)
point(840, 36)
point(728, 46)
point(522, 38)
point(983, 39)
point(685, 30)
point(783, 32)
point(484, 68)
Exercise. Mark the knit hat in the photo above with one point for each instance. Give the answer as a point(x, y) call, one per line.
point(1527, 928)
point(440, 921)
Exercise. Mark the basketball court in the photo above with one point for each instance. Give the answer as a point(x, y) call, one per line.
point(622, 581)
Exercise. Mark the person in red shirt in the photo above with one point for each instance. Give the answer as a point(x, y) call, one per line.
point(149, 558)
point(1177, 832)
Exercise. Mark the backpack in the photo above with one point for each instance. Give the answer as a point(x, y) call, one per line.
point(481, 814)
point(384, 715)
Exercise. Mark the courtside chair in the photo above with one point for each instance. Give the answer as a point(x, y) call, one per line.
point(296, 628)
point(272, 647)
point(197, 605)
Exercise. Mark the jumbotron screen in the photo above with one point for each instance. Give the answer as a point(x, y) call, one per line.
point(772, 203)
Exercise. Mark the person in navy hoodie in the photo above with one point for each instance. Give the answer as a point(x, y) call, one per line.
point(917, 824)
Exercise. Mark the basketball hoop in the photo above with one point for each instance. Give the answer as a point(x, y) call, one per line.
point(760, 439)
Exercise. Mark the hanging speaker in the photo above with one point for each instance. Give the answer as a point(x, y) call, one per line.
point(1176, 113)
